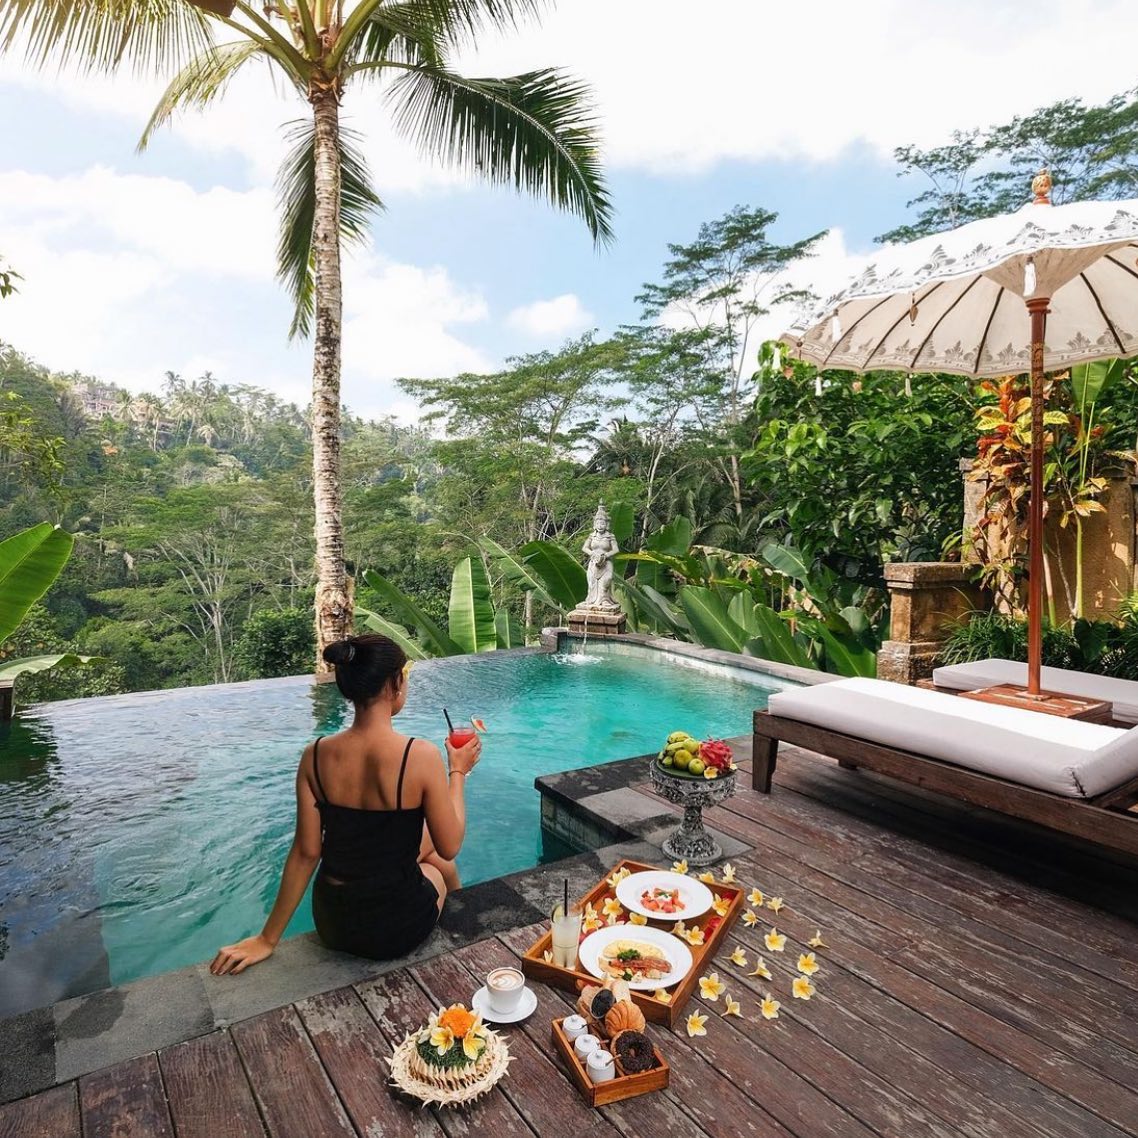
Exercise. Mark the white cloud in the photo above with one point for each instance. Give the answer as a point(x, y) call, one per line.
point(127, 276)
point(549, 319)
point(679, 89)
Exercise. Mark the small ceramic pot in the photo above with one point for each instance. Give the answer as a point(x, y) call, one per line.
point(584, 1044)
point(574, 1026)
point(600, 1066)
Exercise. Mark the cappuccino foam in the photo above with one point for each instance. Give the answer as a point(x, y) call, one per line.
point(505, 979)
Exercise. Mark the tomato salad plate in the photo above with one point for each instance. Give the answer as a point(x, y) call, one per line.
point(664, 896)
point(646, 958)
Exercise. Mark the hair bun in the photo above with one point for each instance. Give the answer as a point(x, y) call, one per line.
point(340, 652)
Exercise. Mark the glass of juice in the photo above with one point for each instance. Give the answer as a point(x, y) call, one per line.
point(461, 734)
point(566, 935)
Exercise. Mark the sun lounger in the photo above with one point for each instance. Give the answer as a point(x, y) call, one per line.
point(1123, 694)
point(1072, 776)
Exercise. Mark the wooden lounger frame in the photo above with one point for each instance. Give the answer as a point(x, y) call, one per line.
point(1102, 819)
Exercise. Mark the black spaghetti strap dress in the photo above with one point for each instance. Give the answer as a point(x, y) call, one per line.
point(370, 897)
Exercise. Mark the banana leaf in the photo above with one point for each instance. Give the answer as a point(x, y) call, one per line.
point(513, 570)
point(711, 624)
point(471, 613)
point(375, 623)
point(29, 562)
point(508, 630)
point(622, 518)
point(651, 609)
point(776, 642)
point(1090, 380)
point(674, 538)
point(439, 643)
point(564, 578)
point(29, 665)
point(742, 611)
point(844, 656)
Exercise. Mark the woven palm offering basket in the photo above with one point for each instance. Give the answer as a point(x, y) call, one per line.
point(453, 1079)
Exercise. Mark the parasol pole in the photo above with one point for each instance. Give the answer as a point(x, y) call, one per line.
point(1037, 306)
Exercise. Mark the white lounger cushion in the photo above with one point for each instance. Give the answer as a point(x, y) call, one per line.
point(1063, 756)
point(988, 673)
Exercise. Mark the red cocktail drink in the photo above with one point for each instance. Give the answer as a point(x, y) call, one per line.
point(461, 735)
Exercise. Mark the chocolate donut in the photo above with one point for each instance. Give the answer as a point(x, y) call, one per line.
point(633, 1052)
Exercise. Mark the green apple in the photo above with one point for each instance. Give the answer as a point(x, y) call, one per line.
point(696, 766)
point(667, 761)
point(681, 759)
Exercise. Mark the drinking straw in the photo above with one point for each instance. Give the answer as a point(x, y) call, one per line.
point(565, 910)
point(450, 725)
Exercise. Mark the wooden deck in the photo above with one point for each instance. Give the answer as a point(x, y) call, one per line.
point(981, 979)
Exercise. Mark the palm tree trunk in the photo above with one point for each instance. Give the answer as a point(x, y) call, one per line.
point(333, 605)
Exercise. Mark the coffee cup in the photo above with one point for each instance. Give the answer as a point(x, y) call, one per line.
point(504, 988)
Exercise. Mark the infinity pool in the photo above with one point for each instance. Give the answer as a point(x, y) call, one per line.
point(138, 833)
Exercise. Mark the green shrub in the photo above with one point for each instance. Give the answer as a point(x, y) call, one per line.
point(276, 642)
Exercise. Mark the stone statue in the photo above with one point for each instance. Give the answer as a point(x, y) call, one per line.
point(600, 547)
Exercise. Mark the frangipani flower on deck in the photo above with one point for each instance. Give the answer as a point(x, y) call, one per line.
point(680, 866)
point(733, 1007)
point(617, 876)
point(769, 1007)
point(802, 988)
point(816, 940)
point(807, 964)
point(776, 904)
point(720, 904)
point(711, 987)
point(707, 877)
point(637, 919)
point(728, 874)
point(694, 936)
point(755, 897)
point(775, 941)
point(739, 956)
point(612, 907)
point(761, 969)
point(697, 1024)
point(749, 918)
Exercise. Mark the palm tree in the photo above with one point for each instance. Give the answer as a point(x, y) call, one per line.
point(532, 131)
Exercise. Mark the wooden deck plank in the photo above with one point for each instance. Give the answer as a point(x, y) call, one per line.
point(722, 1106)
point(869, 806)
point(951, 1077)
point(292, 1089)
point(1046, 1000)
point(870, 958)
point(125, 1101)
point(207, 1090)
point(398, 1004)
point(354, 1053)
point(50, 1114)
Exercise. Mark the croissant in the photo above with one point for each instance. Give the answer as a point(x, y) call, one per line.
point(623, 1016)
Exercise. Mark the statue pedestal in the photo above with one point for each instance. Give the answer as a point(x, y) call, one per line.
point(597, 622)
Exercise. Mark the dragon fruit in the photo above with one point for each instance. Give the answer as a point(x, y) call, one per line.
point(715, 753)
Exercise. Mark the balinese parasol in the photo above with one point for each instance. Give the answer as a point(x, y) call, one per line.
point(1032, 291)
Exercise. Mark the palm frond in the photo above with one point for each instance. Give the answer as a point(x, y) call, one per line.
point(372, 26)
point(296, 196)
point(201, 81)
point(533, 131)
point(101, 35)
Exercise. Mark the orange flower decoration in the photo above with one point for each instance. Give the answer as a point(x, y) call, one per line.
point(458, 1020)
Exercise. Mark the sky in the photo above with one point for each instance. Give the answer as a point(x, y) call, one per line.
point(138, 264)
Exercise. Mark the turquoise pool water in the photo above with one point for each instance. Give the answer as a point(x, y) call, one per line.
point(140, 832)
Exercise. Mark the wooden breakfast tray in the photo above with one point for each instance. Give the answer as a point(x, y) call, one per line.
point(536, 967)
point(615, 1089)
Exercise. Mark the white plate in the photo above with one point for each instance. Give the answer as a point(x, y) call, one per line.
point(678, 953)
point(480, 1002)
point(694, 894)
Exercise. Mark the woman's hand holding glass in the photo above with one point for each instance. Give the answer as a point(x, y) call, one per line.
point(462, 760)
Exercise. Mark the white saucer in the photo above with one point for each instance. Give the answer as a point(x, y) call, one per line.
point(480, 1002)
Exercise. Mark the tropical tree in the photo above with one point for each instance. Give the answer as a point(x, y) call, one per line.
point(532, 131)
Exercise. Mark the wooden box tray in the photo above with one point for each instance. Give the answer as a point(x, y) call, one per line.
point(615, 1089)
point(536, 967)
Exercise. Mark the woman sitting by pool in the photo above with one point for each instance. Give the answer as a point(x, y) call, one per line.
point(378, 813)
